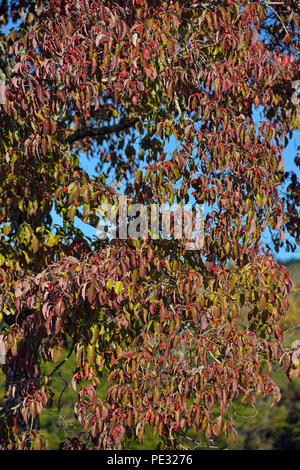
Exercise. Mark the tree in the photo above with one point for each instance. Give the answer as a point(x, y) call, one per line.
point(180, 333)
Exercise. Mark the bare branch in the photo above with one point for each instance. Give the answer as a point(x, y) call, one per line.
point(279, 17)
point(101, 131)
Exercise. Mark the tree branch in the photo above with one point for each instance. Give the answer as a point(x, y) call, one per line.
point(101, 131)
point(279, 17)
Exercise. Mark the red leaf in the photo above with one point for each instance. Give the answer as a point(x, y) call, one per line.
point(278, 332)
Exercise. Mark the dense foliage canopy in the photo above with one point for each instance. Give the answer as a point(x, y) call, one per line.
point(179, 334)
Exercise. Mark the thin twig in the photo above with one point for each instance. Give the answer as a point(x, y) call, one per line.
point(211, 354)
point(101, 131)
point(280, 19)
point(63, 361)
point(62, 392)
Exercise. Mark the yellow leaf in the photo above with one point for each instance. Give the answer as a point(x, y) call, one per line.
point(118, 287)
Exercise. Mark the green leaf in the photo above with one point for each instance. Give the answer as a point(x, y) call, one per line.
point(74, 192)
point(6, 229)
point(241, 299)
point(71, 212)
point(118, 287)
point(35, 244)
point(51, 240)
point(227, 248)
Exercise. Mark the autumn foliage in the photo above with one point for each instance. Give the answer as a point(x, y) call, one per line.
point(181, 334)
